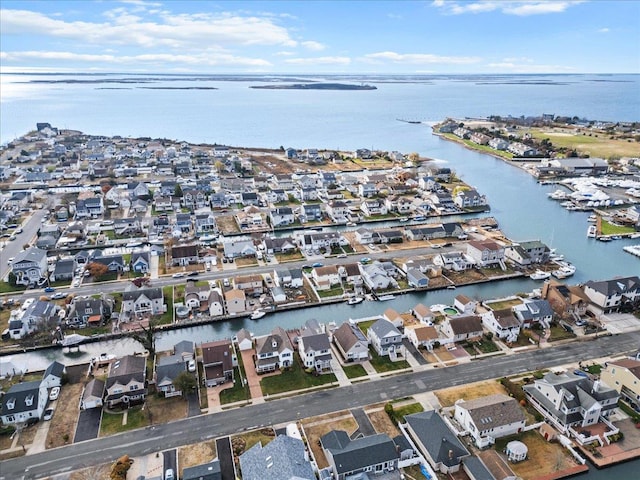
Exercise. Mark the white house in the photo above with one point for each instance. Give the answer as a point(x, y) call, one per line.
point(385, 338)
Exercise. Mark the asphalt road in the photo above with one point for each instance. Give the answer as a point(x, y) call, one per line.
point(205, 427)
point(11, 248)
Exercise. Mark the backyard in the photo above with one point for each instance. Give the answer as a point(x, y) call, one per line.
point(448, 396)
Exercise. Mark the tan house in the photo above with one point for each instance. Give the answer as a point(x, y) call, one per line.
point(422, 336)
point(326, 277)
point(462, 328)
point(236, 301)
point(565, 300)
point(624, 377)
point(250, 284)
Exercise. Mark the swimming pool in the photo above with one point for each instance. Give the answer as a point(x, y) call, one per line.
point(450, 311)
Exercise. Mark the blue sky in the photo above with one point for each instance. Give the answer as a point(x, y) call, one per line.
point(344, 37)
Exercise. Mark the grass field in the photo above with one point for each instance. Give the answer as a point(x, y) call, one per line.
point(293, 379)
point(448, 396)
point(612, 229)
point(596, 145)
point(354, 371)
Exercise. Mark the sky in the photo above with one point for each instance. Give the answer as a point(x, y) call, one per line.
point(321, 37)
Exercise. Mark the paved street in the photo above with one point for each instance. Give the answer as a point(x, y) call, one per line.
point(206, 427)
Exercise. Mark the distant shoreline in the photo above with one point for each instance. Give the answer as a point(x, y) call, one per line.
point(316, 86)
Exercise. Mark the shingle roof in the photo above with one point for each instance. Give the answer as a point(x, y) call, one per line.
point(19, 393)
point(350, 455)
point(441, 443)
point(281, 459)
point(463, 325)
point(493, 411)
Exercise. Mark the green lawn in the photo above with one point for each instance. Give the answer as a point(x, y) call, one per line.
point(611, 229)
point(559, 333)
point(383, 364)
point(504, 304)
point(333, 292)
point(237, 393)
point(6, 287)
point(400, 412)
point(167, 317)
point(112, 422)
point(481, 148)
point(293, 379)
point(354, 371)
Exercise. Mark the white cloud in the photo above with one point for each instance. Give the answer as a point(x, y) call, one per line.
point(417, 58)
point(508, 7)
point(528, 67)
point(284, 54)
point(319, 61)
point(603, 30)
point(205, 59)
point(165, 30)
point(311, 45)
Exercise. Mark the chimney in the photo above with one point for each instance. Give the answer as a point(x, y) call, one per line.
point(559, 399)
point(596, 387)
point(451, 454)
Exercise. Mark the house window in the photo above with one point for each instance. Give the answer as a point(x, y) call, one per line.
point(134, 387)
point(29, 400)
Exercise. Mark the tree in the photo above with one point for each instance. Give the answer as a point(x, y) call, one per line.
point(178, 191)
point(414, 157)
point(147, 337)
point(120, 468)
point(97, 270)
point(185, 382)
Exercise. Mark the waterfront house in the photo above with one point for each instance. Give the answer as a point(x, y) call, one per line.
point(325, 277)
point(435, 441)
point(319, 240)
point(366, 190)
point(609, 295)
point(373, 455)
point(375, 277)
point(205, 222)
point(196, 297)
point(216, 304)
point(239, 248)
point(388, 236)
point(168, 368)
point(624, 377)
point(454, 260)
point(138, 303)
point(244, 339)
point(235, 301)
point(521, 150)
point(488, 418)
point(533, 311)
point(565, 300)
point(425, 232)
point(570, 400)
point(314, 349)
point(272, 245)
point(273, 351)
point(92, 394)
point(88, 311)
point(29, 266)
point(422, 336)
point(502, 323)
point(479, 138)
point(423, 313)
point(498, 143)
point(351, 343)
point(527, 253)
point(462, 328)
point(218, 360)
point(364, 235)
point(311, 212)
point(385, 338)
point(486, 253)
point(52, 376)
point(417, 279)
point(339, 211)
point(140, 262)
point(252, 285)
point(23, 402)
point(281, 216)
point(464, 304)
point(283, 458)
point(126, 382)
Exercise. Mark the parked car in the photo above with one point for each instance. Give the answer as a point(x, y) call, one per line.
point(54, 393)
point(365, 260)
point(342, 255)
point(317, 265)
point(178, 275)
point(191, 365)
point(48, 413)
point(58, 295)
point(193, 274)
point(49, 290)
point(168, 474)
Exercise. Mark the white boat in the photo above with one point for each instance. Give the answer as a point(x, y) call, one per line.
point(404, 219)
point(604, 239)
point(616, 237)
point(384, 298)
point(558, 195)
point(592, 231)
point(355, 300)
point(540, 275)
point(635, 235)
point(257, 314)
point(351, 224)
point(564, 271)
point(592, 218)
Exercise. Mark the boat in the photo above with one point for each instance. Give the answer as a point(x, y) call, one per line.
point(384, 298)
point(419, 218)
point(635, 235)
point(451, 287)
point(592, 218)
point(540, 275)
point(355, 300)
point(351, 224)
point(604, 239)
point(558, 195)
point(257, 314)
point(592, 231)
point(404, 219)
point(564, 271)
point(616, 237)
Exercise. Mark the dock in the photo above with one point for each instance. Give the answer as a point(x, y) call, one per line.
point(632, 249)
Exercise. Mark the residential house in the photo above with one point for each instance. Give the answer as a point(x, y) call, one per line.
point(23, 402)
point(528, 253)
point(453, 260)
point(273, 245)
point(138, 303)
point(184, 254)
point(624, 377)
point(52, 376)
point(385, 338)
point(479, 138)
point(325, 277)
point(462, 328)
point(163, 204)
point(486, 253)
point(565, 300)
point(491, 417)
point(422, 336)
point(570, 400)
point(235, 300)
point(284, 458)
point(373, 455)
point(126, 382)
point(314, 349)
point(502, 323)
point(464, 304)
point(531, 311)
point(140, 261)
point(364, 236)
point(252, 285)
point(239, 248)
point(320, 240)
point(184, 223)
point(114, 263)
point(435, 441)
point(373, 208)
point(29, 266)
point(168, 368)
point(63, 270)
point(92, 394)
point(376, 277)
point(244, 339)
point(206, 471)
point(498, 144)
point(366, 190)
point(36, 315)
point(218, 360)
point(273, 351)
point(609, 295)
point(216, 304)
point(425, 232)
point(196, 297)
point(442, 174)
point(339, 211)
point(88, 312)
point(417, 279)
point(194, 199)
point(351, 343)
point(311, 212)
point(423, 314)
point(205, 223)
point(281, 216)
point(92, 207)
point(469, 199)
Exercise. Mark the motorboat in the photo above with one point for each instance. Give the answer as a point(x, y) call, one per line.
point(257, 314)
point(592, 231)
point(351, 224)
point(384, 298)
point(564, 271)
point(355, 300)
point(593, 218)
point(540, 275)
point(404, 219)
point(558, 195)
point(604, 239)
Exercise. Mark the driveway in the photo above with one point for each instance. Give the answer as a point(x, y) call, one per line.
point(170, 461)
point(365, 428)
point(223, 448)
point(88, 425)
point(413, 351)
point(193, 408)
point(253, 379)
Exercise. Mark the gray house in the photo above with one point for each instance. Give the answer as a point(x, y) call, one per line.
point(385, 338)
point(351, 343)
point(282, 459)
point(375, 454)
point(29, 266)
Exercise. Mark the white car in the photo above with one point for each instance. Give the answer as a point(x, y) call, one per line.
point(168, 474)
point(48, 413)
point(342, 255)
point(76, 282)
point(191, 366)
point(54, 393)
point(178, 275)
